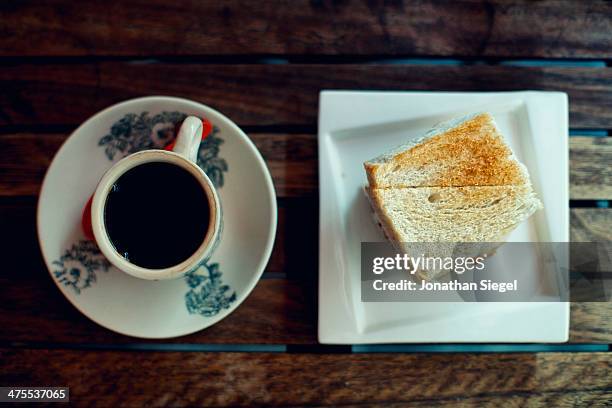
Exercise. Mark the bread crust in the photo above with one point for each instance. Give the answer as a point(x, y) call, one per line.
point(471, 153)
point(458, 183)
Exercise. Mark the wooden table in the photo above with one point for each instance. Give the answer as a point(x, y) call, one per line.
point(263, 64)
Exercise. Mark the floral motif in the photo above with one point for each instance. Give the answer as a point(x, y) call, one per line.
point(209, 160)
point(134, 133)
point(78, 266)
point(207, 294)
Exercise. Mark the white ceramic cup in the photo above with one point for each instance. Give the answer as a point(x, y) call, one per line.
point(184, 155)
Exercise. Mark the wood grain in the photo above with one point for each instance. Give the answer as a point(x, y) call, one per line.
point(294, 255)
point(548, 29)
point(292, 160)
point(67, 94)
point(545, 399)
point(114, 51)
point(591, 224)
point(279, 311)
point(591, 168)
point(290, 305)
point(590, 322)
point(110, 378)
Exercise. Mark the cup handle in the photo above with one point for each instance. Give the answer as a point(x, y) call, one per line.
point(189, 137)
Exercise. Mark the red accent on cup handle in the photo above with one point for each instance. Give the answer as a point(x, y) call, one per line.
point(86, 218)
point(206, 130)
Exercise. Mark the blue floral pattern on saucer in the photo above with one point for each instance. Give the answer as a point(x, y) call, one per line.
point(207, 294)
point(134, 133)
point(78, 266)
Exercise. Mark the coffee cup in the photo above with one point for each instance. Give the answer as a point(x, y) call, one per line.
point(155, 214)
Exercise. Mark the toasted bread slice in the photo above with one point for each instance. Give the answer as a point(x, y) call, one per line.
point(468, 151)
point(439, 221)
point(452, 214)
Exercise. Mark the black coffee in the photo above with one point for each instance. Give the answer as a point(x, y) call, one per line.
point(156, 215)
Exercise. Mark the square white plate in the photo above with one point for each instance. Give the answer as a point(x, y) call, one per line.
point(356, 126)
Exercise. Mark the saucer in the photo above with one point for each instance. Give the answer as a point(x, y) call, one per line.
point(156, 309)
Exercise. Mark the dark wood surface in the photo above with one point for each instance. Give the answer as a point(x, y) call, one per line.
point(109, 378)
point(263, 64)
point(288, 303)
point(252, 94)
point(591, 168)
point(292, 160)
point(549, 28)
point(591, 224)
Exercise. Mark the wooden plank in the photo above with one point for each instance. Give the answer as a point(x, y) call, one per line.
point(67, 94)
point(292, 160)
point(111, 378)
point(591, 224)
point(591, 168)
point(590, 322)
point(545, 29)
point(295, 255)
point(587, 398)
point(277, 312)
point(28, 155)
point(24, 159)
